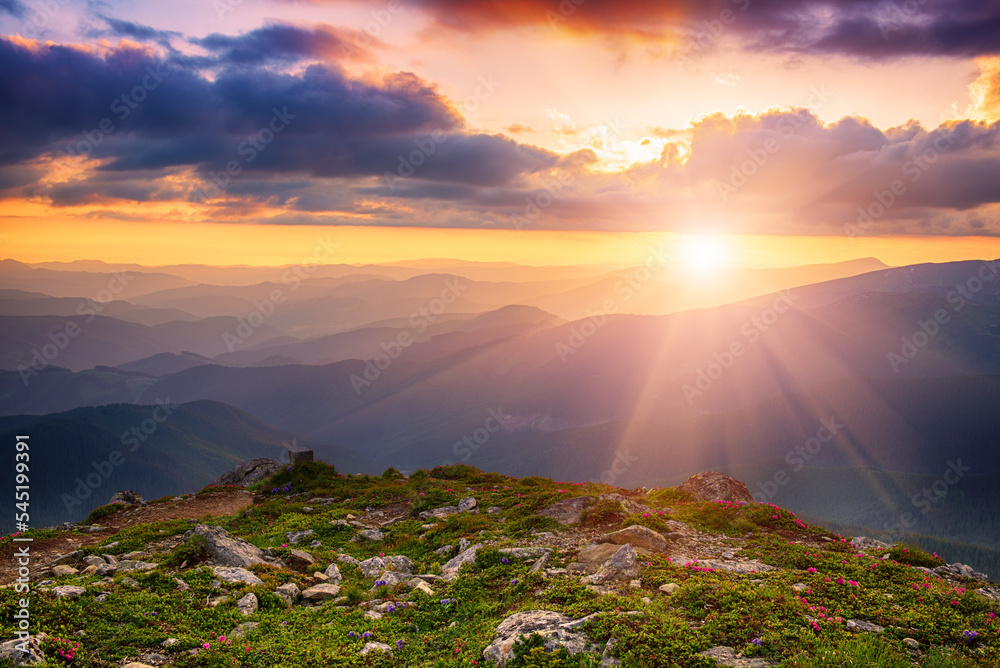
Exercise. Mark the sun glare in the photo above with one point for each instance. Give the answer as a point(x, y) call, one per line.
point(703, 253)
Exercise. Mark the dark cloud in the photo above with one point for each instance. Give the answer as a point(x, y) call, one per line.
point(137, 31)
point(15, 8)
point(282, 42)
point(864, 28)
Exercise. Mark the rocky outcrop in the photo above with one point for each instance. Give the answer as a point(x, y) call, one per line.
point(11, 649)
point(637, 536)
point(567, 511)
point(727, 656)
point(450, 570)
point(227, 550)
point(248, 472)
point(128, 497)
point(714, 486)
point(557, 629)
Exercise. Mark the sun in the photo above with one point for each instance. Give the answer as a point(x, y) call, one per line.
point(703, 253)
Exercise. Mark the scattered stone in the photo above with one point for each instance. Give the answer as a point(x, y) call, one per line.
point(333, 574)
point(399, 564)
point(216, 601)
point(463, 544)
point(110, 558)
point(554, 627)
point(669, 588)
point(295, 536)
point(726, 656)
point(372, 567)
point(173, 642)
point(234, 574)
point(154, 658)
point(289, 593)
point(593, 556)
point(567, 511)
point(419, 585)
point(321, 592)
point(637, 536)
point(131, 565)
point(911, 643)
point(859, 626)
point(800, 586)
point(181, 585)
point(247, 605)
point(300, 560)
point(136, 664)
point(93, 560)
point(866, 543)
point(622, 566)
point(467, 504)
point(991, 593)
point(450, 570)
point(11, 649)
point(374, 647)
point(748, 566)
point(348, 559)
point(715, 486)
point(69, 591)
point(369, 534)
point(243, 629)
point(62, 570)
point(445, 550)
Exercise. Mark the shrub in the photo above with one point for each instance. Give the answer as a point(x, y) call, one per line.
point(194, 550)
point(905, 554)
point(668, 497)
point(102, 511)
point(534, 523)
point(603, 512)
point(392, 474)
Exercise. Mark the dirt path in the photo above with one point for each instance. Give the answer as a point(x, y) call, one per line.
point(226, 502)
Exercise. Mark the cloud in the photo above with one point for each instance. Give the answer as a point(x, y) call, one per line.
point(15, 8)
point(985, 91)
point(864, 28)
point(283, 42)
point(137, 31)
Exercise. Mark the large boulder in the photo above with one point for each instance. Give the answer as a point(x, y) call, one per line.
point(450, 570)
point(556, 628)
point(623, 566)
point(11, 649)
point(228, 550)
point(714, 486)
point(637, 536)
point(567, 511)
point(248, 472)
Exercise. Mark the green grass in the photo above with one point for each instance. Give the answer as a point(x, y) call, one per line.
point(757, 614)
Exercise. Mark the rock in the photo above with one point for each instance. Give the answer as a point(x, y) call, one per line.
point(800, 586)
point(463, 544)
point(243, 629)
point(90, 570)
point(300, 456)
point(911, 643)
point(93, 560)
point(128, 497)
point(726, 656)
point(554, 627)
point(419, 585)
point(714, 486)
point(348, 559)
point(136, 664)
point(567, 511)
point(444, 550)
point(637, 536)
point(399, 564)
point(747, 566)
point(494, 510)
point(226, 550)
point(374, 647)
point(991, 593)
point(622, 566)
point(173, 642)
point(593, 556)
point(669, 588)
point(450, 570)
point(69, 591)
point(369, 534)
point(441, 513)
point(131, 565)
point(372, 614)
point(859, 626)
point(181, 585)
point(154, 658)
point(289, 593)
point(11, 649)
point(300, 561)
point(63, 570)
point(247, 605)
point(248, 472)
point(216, 601)
point(372, 567)
point(321, 592)
point(235, 574)
point(866, 543)
point(295, 536)
point(389, 578)
point(467, 504)
point(110, 558)
point(333, 574)
point(105, 570)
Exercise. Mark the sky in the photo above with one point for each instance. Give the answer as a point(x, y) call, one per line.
point(756, 132)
